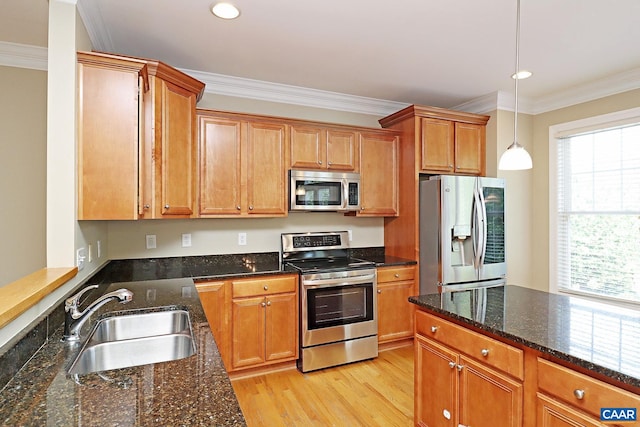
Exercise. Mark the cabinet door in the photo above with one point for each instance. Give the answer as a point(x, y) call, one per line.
point(480, 385)
point(551, 413)
point(469, 148)
point(220, 173)
point(266, 169)
point(435, 384)
point(308, 147)
point(281, 335)
point(395, 313)
point(248, 326)
point(214, 297)
point(107, 141)
point(378, 175)
point(437, 145)
point(177, 150)
point(342, 152)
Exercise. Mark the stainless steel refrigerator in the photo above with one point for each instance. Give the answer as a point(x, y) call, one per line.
point(462, 233)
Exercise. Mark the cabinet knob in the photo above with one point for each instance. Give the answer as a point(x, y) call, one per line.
point(268, 302)
point(579, 394)
point(319, 162)
point(266, 288)
point(452, 365)
point(460, 367)
point(396, 275)
point(263, 304)
point(146, 206)
point(451, 166)
point(250, 207)
point(379, 291)
point(361, 208)
point(484, 352)
point(330, 163)
point(434, 329)
point(238, 207)
point(166, 206)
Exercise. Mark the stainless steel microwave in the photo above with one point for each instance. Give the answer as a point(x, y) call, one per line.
point(324, 191)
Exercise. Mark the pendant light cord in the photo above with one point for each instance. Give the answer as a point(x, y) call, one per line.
point(515, 123)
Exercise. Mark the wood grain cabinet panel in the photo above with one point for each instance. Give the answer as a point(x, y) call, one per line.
point(378, 174)
point(395, 312)
point(323, 148)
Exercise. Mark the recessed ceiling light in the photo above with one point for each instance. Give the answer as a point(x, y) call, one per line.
point(522, 74)
point(225, 11)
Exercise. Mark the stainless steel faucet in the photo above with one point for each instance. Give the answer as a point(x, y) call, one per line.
point(75, 318)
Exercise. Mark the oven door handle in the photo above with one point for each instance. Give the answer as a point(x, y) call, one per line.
point(341, 281)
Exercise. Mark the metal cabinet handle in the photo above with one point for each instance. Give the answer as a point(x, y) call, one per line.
point(263, 304)
point(266, 288)
point(484, 352)
point(460, 368)
point(250, 207)
point(579, 394)
point(379, 291)
point(319, 162)
point(329, 163)
point(434, 329)
point(268, 302)
point(451, 166)
point(238, 207)
point(452, 365)
point(396, 275)
point(147, 206)
point(166, 206)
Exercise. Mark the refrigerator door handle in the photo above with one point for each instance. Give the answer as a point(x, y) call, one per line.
point(483, 212)
point(478, 229)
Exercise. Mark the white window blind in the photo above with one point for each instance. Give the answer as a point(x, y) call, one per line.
point(598, 213)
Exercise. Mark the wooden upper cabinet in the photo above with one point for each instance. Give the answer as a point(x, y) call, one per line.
point(437, 145)
point(110, 98)
point(470, 148)
point(171, 141)
point(220, 169)
point(378, 174)
point(322, 148)
point(266, 169)
point(137, 135)
point(242, 166)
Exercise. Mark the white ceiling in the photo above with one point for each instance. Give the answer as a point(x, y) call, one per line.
point(431, 52)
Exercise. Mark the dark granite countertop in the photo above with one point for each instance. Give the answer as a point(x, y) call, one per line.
point(599, 337)
point(194, 391)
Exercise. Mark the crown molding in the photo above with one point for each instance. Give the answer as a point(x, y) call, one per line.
point(612, 85)
point(220, 84)
point(23, 56)
point(99, 34)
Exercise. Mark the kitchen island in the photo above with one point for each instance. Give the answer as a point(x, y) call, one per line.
point(537, 357)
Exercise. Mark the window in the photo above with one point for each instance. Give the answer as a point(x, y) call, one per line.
point(595, 208)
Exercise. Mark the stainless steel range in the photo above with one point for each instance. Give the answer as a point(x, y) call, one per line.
point(338, 299)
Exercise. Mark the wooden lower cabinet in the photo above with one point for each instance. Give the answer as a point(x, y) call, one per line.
point(454, 390)
point(552, 413)
point(254, 321)
point(395, 312)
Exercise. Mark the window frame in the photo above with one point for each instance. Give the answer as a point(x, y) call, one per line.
point(556, 132)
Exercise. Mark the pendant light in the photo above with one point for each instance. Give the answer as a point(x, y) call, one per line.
point(516, 157)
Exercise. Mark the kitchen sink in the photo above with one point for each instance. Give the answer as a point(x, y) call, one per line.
point(118, 342)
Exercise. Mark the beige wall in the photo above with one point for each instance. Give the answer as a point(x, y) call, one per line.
point(540, 188)
point(23, 143)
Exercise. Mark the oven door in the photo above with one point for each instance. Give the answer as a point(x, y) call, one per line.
point(338, 308)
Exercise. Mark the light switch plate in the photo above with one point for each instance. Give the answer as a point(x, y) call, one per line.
point(186, 240)
point(81, 256)
point(151, 241)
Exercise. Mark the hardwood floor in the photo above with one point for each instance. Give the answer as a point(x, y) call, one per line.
point(376, 392)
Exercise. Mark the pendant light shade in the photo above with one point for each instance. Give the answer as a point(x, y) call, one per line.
point(516, 157)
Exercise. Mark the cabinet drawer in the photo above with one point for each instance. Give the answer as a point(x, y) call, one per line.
point(257, 287)
point(396, 274)
point(567, 385)
point(487, 350)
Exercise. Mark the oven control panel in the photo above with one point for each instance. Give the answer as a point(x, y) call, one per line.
point(316, 241)
point(294, 242)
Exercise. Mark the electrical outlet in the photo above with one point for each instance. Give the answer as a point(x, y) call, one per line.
point(80, 258)
point(186, 240)
point(242, 239)
point(151, 241)
point(98, 249)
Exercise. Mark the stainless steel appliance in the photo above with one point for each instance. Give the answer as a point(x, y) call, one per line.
point(324, 191)
point(462, 233)
point(338, 299)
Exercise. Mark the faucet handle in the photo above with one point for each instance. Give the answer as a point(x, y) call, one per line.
point(71, 304)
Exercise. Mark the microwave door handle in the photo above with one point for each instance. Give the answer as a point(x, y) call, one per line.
point(345, 194)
